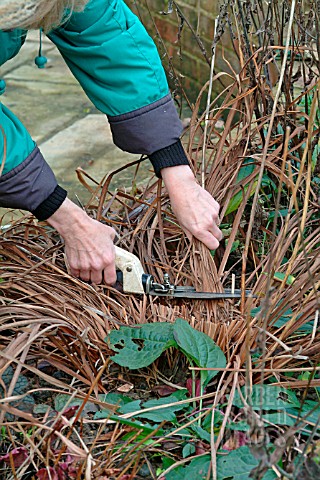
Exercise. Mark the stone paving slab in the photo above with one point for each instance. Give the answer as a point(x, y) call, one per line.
point(46, 100)
point(44, 118)
point(87, 143)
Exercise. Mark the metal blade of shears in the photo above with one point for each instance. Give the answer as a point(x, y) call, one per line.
point(190, 292)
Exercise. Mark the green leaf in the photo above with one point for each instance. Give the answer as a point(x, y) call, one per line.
point(200, 348)
point(238, 464)
point(315, 155)
point(21, 385)
point(24, 404)
point(305, 376)
point(285, 318)
point(166, 413)
point(307, 413)
point(115, 399)
point(131, 407)
point(218, 419)
point(167, 462)
point(283, 212)
point(280, 276)
point(243, 174)
point(197, 470)
point(241, 426)
point(282, 320)
point(268, 182)
point(316, 180)
point(267, 397)
point(158, 416)
point(200, 432)
point(188, 450)
point(292, 399)
point(139, 347)
point(61, 402)
point(135, 424)
point(42, 409)
point(279, 418)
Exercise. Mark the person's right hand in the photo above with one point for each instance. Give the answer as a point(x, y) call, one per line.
point(89, 244)
point(196, 210)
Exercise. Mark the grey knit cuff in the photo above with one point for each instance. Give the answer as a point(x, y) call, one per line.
point(49, 206)
point(168, 157)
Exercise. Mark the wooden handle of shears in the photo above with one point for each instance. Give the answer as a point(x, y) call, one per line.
point(131, 269)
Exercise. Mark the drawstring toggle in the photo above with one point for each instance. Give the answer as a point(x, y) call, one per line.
point(2, 86)
point(40, 60)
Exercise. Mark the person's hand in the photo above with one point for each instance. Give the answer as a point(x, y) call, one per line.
point(195, 209)
point(88, 244)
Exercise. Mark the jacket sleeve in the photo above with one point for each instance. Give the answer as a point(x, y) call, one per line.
point(117, 64)
point(26, 181)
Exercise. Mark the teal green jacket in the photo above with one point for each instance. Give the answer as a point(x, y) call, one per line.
point(116, 62)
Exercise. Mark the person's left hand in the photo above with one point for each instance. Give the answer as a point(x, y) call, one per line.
point(196, 210)
point(89, 244)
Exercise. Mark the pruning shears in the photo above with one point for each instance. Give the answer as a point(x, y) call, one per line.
point(131, 275)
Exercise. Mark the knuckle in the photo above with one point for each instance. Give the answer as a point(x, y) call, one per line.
point(108, 259)
point(97, 264)
point(74, 265)
point(197, 232)
point(85, 265)
point(111, 232)
point(210, 224)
